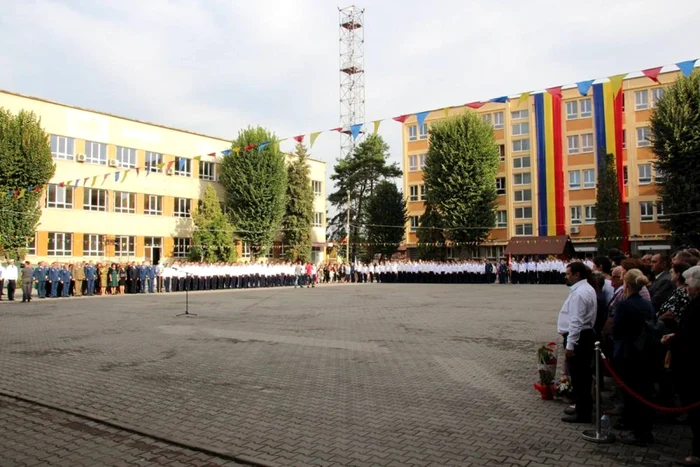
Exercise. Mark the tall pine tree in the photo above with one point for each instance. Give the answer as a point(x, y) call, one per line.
point(386, 217)
point(212, 240)
point(256, 187)
point(298, 217)
point(26, 166)
point(608, 226)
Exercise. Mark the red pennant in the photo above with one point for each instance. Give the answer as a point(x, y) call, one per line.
point(249, 147)
point(653, 73)
point(555, 91)
point(170, 164)
point(475, 105)
point(37, 189)
point(137, 171)
point(85, 180)
point(62, 184)
point(401, 119)
point(15, 194)
point(212, 154)
point(299, 138)
point(339, 129)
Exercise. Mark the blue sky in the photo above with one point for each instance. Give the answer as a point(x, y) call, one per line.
point(215, 66)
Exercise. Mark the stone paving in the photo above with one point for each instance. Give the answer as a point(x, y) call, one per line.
point(346, 375)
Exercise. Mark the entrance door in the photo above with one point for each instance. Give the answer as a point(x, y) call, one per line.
point(154, 247)
point(155, 255)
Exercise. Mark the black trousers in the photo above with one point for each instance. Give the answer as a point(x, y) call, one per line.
point(637, 375)
point(581, 375)
point(11, 286)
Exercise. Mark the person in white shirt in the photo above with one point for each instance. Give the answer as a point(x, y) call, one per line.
point(10, 275)
point(576, 320)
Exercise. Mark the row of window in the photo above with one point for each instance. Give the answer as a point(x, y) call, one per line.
point(61, 244)
point(413, 133)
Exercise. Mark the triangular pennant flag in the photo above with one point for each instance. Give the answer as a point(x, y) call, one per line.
point(355, 130)
point(262, 146)
point(62, 184)
point(338, 129)
point(524, 97)
point(15, 194)
point(686, 67)
point(21, 193)
point(446, 110)
point(138, 171)
point(77, 182)
point(616, 82)
point(198, 158)
point(170, 165)
point(249, 147)
point(313, 136)
point(584, 86)
point(420, 117)
point(116, 176)
point(401, 118)
point(376, 126)
point(94, 179)
point(69, 183)
point(160, 165)
point(555, 91)
point(104, 179)
point(85, 181)
point(299, 138)
point(475, 105)
point(226, 152)
point(653, 73)
point(125, 174)
point(500, 100)
point(211, 154)
point(181, 165)
point(37, 189)
point(9, 193)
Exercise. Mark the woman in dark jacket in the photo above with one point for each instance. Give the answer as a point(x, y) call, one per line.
point(632, 358)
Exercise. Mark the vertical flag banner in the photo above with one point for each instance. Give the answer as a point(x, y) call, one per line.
point(550, 163)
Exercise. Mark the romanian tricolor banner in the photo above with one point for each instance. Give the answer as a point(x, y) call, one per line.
point(550, 164)
point(607, 122)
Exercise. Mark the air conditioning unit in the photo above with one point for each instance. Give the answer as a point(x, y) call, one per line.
point(112, 162)
point(575, 230)
point(170, 171)
point(80, 158)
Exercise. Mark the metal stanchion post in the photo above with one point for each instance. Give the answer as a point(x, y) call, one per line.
point(595, 436)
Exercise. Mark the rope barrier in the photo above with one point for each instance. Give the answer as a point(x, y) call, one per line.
point(660, 408)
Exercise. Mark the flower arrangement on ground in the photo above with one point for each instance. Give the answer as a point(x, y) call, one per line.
point(564, 388)
point(547, 368)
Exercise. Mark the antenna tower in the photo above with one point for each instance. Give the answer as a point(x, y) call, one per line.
point(352, 75)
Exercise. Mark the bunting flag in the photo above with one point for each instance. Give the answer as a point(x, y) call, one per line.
point(226, 152)
point(421, 116)
point(355, 130)
point(550, 163)
point(104, 179)
point(181, 164)
point(500, 100)
point(69, 183)
point(340, 128)
point(37, 189)
point(94, 179)
point(138, 171)
point(616, 82)
point(85, 181)
point(376, 126)
point(299, 138)
point(211, 154)
point(475, 105)
point(77, 182)
point(446, 112)
point(524, 98)
point(62, 184)
point(249, 147)
point(653, 73)
point(401, 118)
point(262, 146)
point(236, 150)
point(584, 86)
point(170, 164)
point(125, 174)
point(198, 158)
point(160, 165)
point(21, 193)
point(312, 138)
point(686, 67)
point(116, 176)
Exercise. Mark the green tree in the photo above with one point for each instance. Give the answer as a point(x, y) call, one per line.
point(25, 163)
point(255, 182)
point(298, 216)
point(358, 173)
point(675, 137)
point(460, 177)
point(430, 233)
point(608, 226)
point(386, 217)
point(213, 239)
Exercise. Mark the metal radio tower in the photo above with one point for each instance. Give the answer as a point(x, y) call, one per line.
point(352, 75)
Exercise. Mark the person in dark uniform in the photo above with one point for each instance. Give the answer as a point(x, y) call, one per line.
point(132, 277)
point(78, 279)
point(90, 276)
point(141, 274)
point(151, 276)
point(65, 280)
point(40, 279)
point(55, 278)
point(27, 278)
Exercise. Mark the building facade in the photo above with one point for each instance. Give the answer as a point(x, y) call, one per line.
point(539, 197)
point(91, 213)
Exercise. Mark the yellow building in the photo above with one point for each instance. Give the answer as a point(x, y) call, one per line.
point(144, 215)
point(514, 124)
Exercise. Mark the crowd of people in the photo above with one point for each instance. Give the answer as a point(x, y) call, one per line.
point(646, 314)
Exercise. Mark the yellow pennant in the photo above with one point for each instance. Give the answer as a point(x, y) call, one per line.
point(125, 174)
point(524, 97)
point(21, 193)
point(94, 179)
point(313, 136)
point(447, 112)
point(616, 82)
point(376, 126)
point(69, 182)
point(198, 158)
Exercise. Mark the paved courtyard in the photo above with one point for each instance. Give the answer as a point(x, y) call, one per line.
point(346, 375)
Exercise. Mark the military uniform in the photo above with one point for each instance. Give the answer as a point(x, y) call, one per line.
point(40, 274)
point(55, 278)
point(78, 278)
point(66, 279)
point(90, 276)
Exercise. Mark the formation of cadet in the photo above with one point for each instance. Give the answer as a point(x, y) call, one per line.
point(457, 272)
point(534, 271)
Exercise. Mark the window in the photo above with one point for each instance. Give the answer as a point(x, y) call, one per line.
point(126, 157)
point(415, 220)
point(246, 250)
point(318, 219)
point(523, 213)
point(501, 219)
point(659, 174)
point(62, 147)
point(522, 179)
point(423, 193)
point(423, 160)
point(412, 132)
point(153, 205)
point(627, 212)
point(317, 186)
point(522, 195)
point(501, 186)
point(424, 131)
point(521, 145)
point(93, 245)
point(571, 110)
point(154, 162)
point(502, 151)
point(124, 202)
point(521, 162)
point(520, 129)
point(641, 99)
point(207, 171)
point(94, 199)
point(590, 214)
point(498, 120)
point(30, 245)
point(95, 153)
point(60, 244)
point(625, 174)
point(643, 137)
point(575, 215)
point(660, 210)
point(656, 95)
point(518, 114)
point(587, 142)
point(624, 139)
point(646, 211)
point(414, 192)
point(181, 246)
point(183, 167)
point(644, 174)
point(585, 107)
point(589, 178)
point(413, 162)
point(574, 180)
point(573, 144)
point(124, 245)
point(182, 207)
point(60, 197)
point(523, 229)
point(487, 118)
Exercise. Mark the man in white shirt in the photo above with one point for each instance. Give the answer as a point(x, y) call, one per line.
point(576, 320)
point(10, 275)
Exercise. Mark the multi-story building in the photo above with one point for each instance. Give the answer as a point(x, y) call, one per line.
point(548, 189)
point(91, 213)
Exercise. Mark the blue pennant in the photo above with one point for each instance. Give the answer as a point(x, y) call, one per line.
point(355, 130)
point(584, 86)
point(686, 67)
point(262, 146)
point(500, 100)
point(181, 165)
point(420, 116)
point(226, 152)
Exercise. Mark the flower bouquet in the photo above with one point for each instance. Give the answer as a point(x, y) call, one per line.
point(564, 388)
point(547, 368)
